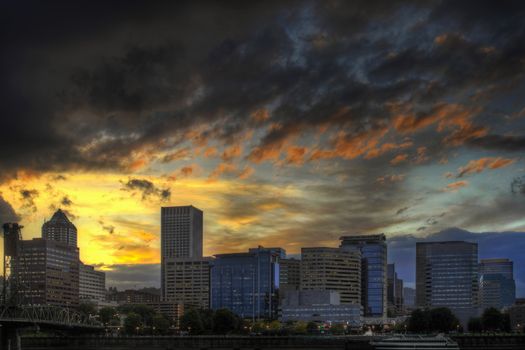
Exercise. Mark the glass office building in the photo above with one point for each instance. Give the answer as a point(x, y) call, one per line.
point(246, 283)
point(373, 250)
point(496, 283)
point(447, 274)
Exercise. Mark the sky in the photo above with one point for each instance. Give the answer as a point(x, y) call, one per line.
point(288, 123)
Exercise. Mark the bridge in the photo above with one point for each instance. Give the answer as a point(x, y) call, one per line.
point(13, 319)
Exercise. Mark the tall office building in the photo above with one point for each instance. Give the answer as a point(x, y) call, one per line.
point(60, 229)
point(181, 238)
point(181, 232)
point(373, 250)
point(394, 290)
point(447, 276)
point(48, 273)
point(409, 297)
point(332, 269)
point(246, 283)
point(92, 284)
point(289, 274)
point(496, 282)
point(187, 281)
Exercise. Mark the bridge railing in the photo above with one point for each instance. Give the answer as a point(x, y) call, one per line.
point(47, 314)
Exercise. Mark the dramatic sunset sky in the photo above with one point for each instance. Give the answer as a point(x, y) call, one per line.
point(288, 123)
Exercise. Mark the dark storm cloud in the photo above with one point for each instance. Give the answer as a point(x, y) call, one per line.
point(104, 95)
point(7, 213)
point(147, 189)
point(133, 276)
point(28, 198)
point(402, 250)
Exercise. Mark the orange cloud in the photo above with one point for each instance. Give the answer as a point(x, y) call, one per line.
point(246, 172)
point(222, 168)
point(455, 186)
point(399, 159)
point(295, 155)
point(385, 148)
point(352, 146)
point(210, 152)
point(178, 154)
point(479, 165)
point(260, 115)
point(232, 152)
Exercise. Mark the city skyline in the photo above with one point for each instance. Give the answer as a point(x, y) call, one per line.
point(289, 124)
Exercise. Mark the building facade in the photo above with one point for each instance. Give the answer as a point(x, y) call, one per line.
point(47, 272)
point(60, 229)
point(289, 274)
point(187, 281)
point(447, 276)
point(92, 284)
point(246, 283)
point(409, 297)
point(321, 306)
point(373, 251)
point(496, 283)
point(132, 296)
point(332, 269)
point(394, 291)
point(181, 237)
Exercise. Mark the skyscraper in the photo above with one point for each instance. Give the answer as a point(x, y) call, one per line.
point(447, 276)
point(181, 239)
point(181, 232)
point(332, 269)
point(496, 282)
point(60, 229)
point(246, 283)
point(373, 250)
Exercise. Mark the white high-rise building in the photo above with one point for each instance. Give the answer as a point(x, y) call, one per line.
point(92, 284)
point(181, 240)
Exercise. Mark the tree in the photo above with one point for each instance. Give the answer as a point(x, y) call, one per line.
point(443, 320)
point(192, 322)
point(492, 319)
point(300, 327)
point(419, 321)
point(474, 325)
point(312, 327)
point(338, 328)
point(88, 308)
point(225, 321)
point(145, 312)
point(161, 324)
point(107, 314)
point(132, 323)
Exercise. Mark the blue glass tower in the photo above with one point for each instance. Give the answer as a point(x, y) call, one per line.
point(496, 282)
point(373, 250)
point(246, 283)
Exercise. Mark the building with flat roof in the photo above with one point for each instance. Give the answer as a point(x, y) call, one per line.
point(60, 229)
point(187, 281)
point(332, 269)
point(394, 291)
point(92, 284)
point(373, 251)
point(321, 306)
point(447, 276)
point(496, 283)
point(47, 272)
point(132, 296)
point(246, 283)
point(289, 274)
point(181, 238)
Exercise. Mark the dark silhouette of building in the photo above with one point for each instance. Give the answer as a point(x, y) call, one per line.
point(496, 283)
point(48, 273)
point(394, 291)
point(60, 229)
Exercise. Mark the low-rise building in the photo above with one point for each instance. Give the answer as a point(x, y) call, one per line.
point(132, 296)
point(92, 284)
point(517, 317)
point(187, 281)
point(322, 306)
